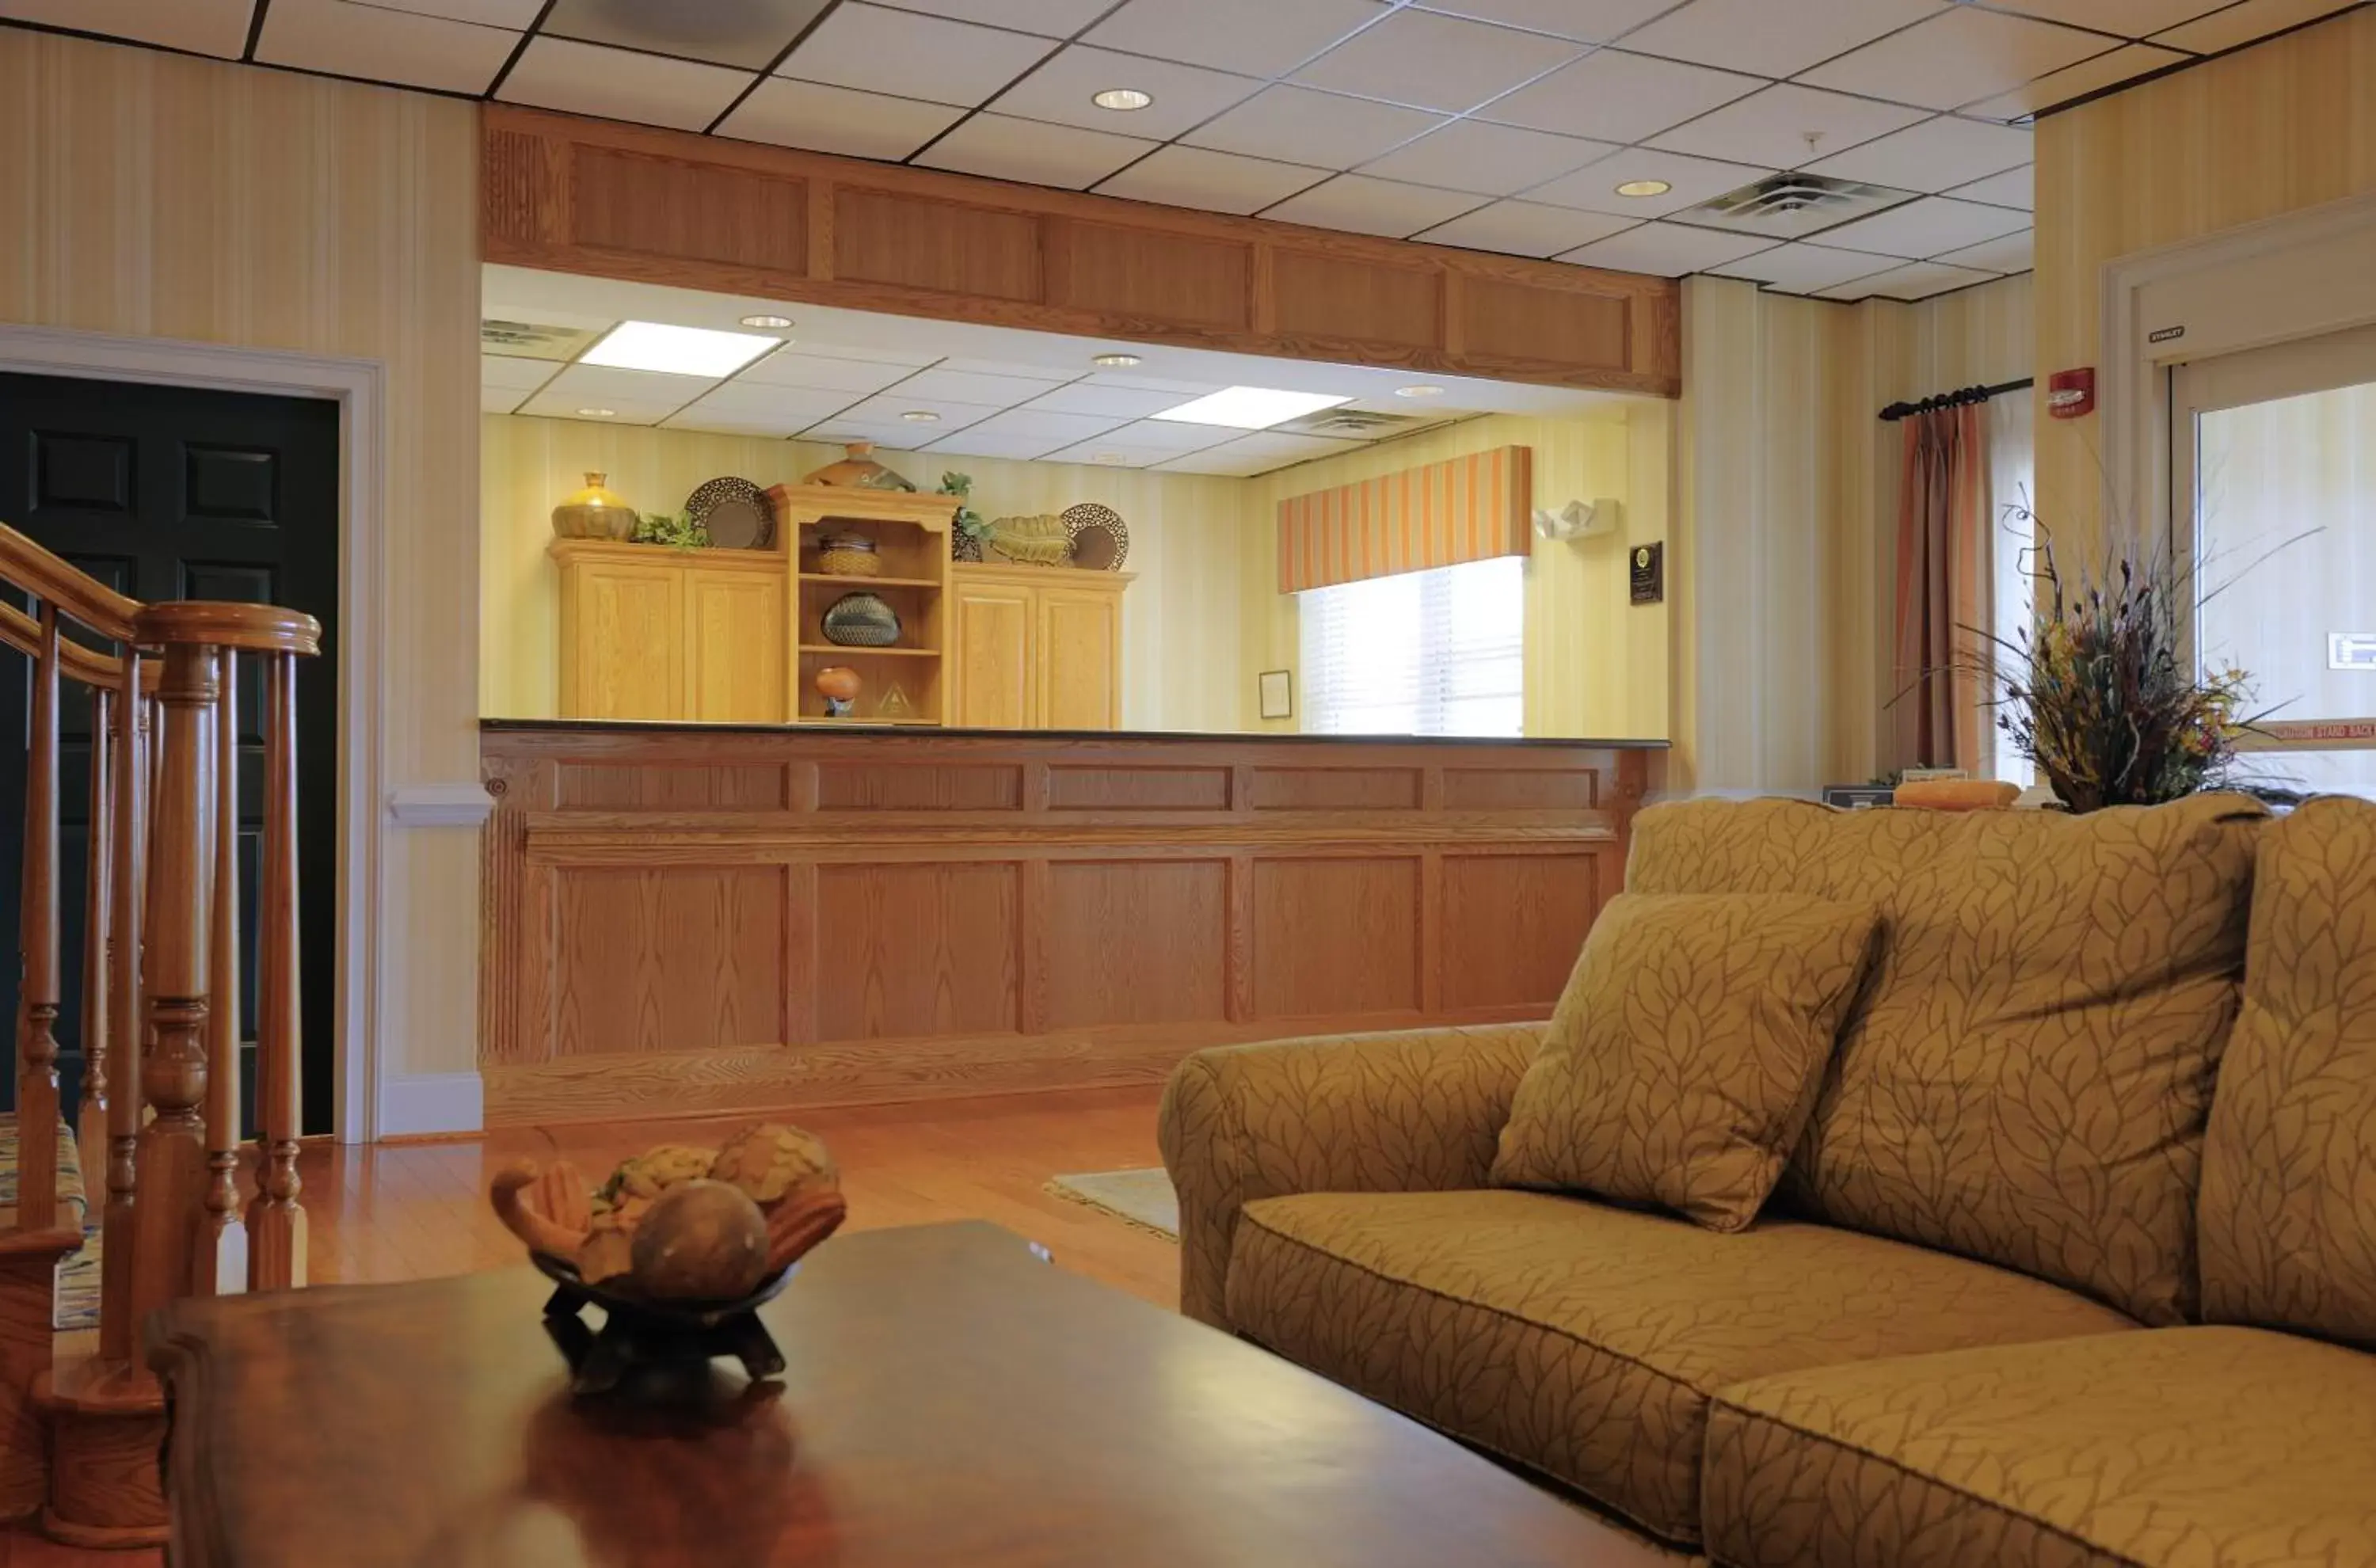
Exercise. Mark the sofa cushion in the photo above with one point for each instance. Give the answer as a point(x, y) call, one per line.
point(2026, 1078)
point(2288, 1209)
point(1684, 1054)
point(2177, 1448)
point(1583, 1340)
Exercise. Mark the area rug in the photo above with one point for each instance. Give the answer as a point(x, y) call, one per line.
point(1142, 1198)
point(76, 1301)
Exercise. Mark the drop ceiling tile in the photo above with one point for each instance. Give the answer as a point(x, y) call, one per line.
point(1215, 182)
point(1803, 268)
point(1185, 95)
point(781, 410)
point(1693, 181)
point(2246, 21)
point(606, 383)
point(971, 386)
point(2014, 188)
point(1261, 37)
point(888, 438)
point(499, 399)
point(1926, 228)
point(1364, 206)
point(377, 44)
point(1593, 21)
point(1050, 19)
point(1775, 37)
point(1667, 250)
point(1300, 125)
point(589, 78)
point(1770, 128)
point(1524, 228)
point(907, 55)
point(1259, 454)
point(1170, 436)
point(1045, 375)
point(2130, 19)
point(1958, 56)
point(2013, 252)
point(1046, 426)
point(1146, 383)
point(874, 353)
point(836, 119)
point(202, 27)
point(1435, 62)
point(516, 15)
point(990, 443)
point(1476, 155)
point(1613, 96)
point(1104, 453)
point(748, 33)
point(2077, 81)
point(1006, 149)
point(885, 409)
point(518, 375)
point(1915, 281)
point(821, 373)
point(1121, 402)
point(1935, 155)
point(550, 404)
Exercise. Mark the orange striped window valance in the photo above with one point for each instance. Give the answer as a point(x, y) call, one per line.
point(1468, 508)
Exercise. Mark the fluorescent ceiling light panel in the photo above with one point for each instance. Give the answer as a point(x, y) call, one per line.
point(1250, 408)
point(676, 351)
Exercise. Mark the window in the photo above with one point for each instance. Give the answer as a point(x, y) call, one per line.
point(1420, 653)
point(2013, 549)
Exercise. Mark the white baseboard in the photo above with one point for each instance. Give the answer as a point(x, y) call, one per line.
point(413, 1105)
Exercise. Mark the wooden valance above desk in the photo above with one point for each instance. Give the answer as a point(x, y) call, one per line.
point(682, 919)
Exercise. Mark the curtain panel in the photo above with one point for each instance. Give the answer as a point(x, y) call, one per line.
point(1946, 594)
point(1470, 508)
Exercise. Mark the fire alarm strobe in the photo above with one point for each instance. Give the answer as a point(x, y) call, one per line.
point(2071, 393)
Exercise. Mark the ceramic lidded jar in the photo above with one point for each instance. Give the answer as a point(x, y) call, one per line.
point(857, 468)
point(593, 512)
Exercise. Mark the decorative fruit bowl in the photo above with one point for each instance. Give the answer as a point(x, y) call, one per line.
point(678, 1248)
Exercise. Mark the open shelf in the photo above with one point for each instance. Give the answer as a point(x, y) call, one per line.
point(857, 582)
point(855, 650)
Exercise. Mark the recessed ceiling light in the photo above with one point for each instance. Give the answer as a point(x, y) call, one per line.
point(1250, 408)
point(597, 413)
point(1114, 362)
point(1109, 458)
point(1643, 188)
point(675, 350)
point(1419, 391)
point(768, 321)
point(1122, 100)
point(920, 416)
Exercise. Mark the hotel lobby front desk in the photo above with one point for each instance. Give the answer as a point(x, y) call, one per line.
point(684, 918)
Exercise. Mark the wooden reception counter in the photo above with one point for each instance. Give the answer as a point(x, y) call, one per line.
point(694, 918)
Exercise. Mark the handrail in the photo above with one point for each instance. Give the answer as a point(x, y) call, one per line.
point(258, 628)
point(76, 662)
point(53, 579)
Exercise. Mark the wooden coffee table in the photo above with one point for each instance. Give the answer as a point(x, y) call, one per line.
point(950, 1400)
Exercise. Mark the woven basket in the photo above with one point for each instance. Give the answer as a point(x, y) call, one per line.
point(846, 561)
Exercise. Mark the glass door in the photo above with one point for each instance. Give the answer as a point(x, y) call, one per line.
point(2273, 469)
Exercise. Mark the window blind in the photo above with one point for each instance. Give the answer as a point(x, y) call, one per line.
point(1440, 652)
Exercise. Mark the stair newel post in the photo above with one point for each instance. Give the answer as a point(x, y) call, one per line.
point(37, 1004)
point(136, 739)
point(218, 1259)
point(276, 1219)
point(97, 939)
point(173, 1151)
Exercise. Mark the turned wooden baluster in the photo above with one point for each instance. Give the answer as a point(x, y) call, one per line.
point(172, 1152)
point(135, 741)
point(97, 939)
point(218, 1257)
point(37, 1002)
point(276, 1220)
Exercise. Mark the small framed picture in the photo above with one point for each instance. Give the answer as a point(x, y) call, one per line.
point(1278, 693)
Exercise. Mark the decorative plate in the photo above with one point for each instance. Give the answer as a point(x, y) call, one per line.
point(1101, 539)
point(736, 512)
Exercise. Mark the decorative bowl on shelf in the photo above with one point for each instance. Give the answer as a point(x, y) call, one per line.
point(849, 555)
point(860, 619)
point(593, 512)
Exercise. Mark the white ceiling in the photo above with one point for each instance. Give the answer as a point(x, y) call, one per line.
point(1494, 124)
point(996, 391)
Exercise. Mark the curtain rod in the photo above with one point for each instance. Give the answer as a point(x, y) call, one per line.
point(1956, 399)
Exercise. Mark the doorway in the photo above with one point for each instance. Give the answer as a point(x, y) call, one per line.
point(164, 492)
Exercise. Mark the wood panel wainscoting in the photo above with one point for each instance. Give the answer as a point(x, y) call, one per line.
point(681, 919)
point(612, 200)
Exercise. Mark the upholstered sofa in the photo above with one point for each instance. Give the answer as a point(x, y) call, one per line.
point(2076, 1263)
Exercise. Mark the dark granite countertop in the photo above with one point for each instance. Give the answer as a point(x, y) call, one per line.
point(938, 731)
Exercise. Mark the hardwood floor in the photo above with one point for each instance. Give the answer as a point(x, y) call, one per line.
point(415, 1211)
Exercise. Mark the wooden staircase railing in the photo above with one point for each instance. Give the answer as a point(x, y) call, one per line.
point(160, 1125)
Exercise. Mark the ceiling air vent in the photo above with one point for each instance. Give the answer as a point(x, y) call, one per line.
point(527, 340)
point(1788, 206)
point(1360, 425)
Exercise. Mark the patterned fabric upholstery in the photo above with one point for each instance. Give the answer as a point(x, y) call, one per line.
point(1585, 1341)
point(2178, 1448)
point(1345, 1114)
point(1685, 1052)
point(69, 1168)
point(2026, 1076)
point(2288, 1209)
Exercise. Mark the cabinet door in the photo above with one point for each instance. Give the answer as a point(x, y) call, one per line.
point(993, 656)
point(1077, 659)
point(622, 641)
point(735, 653)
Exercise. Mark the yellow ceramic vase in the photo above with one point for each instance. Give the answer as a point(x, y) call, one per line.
point(594, 513)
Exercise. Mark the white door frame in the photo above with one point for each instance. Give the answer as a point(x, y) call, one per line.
point(367, 960)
